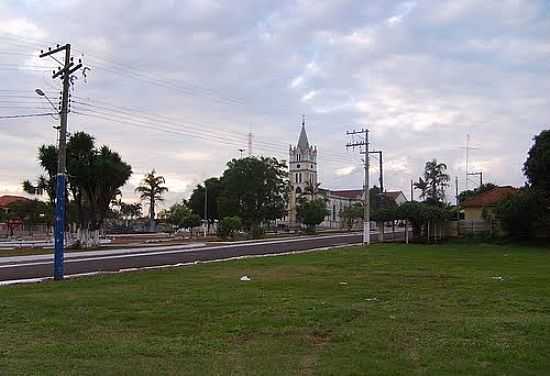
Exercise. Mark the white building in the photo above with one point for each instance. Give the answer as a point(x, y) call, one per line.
point(303, 180)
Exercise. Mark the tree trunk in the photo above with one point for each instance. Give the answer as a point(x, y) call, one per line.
point(152, 215)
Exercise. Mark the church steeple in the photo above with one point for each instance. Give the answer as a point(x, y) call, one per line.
point(302, 170)
point(303, 143)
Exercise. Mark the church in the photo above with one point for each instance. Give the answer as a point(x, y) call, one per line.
point(303, 179)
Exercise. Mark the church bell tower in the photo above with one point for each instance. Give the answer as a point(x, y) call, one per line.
point(302, 170)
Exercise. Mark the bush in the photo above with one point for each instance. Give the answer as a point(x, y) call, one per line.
point(229, 226)
point(524, 214)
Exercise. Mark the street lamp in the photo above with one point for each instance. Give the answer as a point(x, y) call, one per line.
point(42, 94)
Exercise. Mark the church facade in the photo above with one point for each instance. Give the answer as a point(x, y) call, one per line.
point(303, 179)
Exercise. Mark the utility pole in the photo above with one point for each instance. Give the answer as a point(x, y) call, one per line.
point(250, 143)
point(205, 209)
point(380, 197)
point(456, 190)
point(366, 198)
point(412, 191)
point(65, 73)
point(381, 168)
point(480, 174)
point(467, 158)
point(457, 208)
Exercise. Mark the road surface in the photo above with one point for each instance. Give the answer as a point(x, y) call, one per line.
point(23, 268)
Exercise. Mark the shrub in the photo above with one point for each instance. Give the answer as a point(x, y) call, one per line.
point(229, 226)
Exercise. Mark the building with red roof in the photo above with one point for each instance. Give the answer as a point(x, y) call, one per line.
point(474, 206)
point(7, 200)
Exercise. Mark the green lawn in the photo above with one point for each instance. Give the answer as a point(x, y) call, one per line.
point(392, 310)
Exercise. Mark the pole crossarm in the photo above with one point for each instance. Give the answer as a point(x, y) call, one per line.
point(54, 51)
point(480, 174)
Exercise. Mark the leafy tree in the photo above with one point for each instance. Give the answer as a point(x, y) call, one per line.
point(255, 189)
point(523, 214)
point(47, 156)
point(190, 221)
point(312, 213)
point(178, 213)
point(434, 182)
point(473, 192)
point(229, 225)
point(196, 201)
point(378, 200)
point(27, 212)
point(130, 211)
point(421, 215)
point(151, 190)
point(537, 165)
point(352, 213)
point(94, 179)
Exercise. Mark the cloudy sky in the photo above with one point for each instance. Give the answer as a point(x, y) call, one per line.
point(177, 85)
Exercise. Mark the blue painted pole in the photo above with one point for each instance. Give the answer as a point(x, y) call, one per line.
point(58, 267)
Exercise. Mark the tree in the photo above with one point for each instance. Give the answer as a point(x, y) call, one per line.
point(523, 214)
point(130, 211)
point(151, 190)
point(537, 165)
point(28, 213)
point(379, 200)
point(422, 215)
point(196, 201)
point(351, 214)
point(178, 213)
point(95, 176)
point(255, 189)
point(229, 225)
point(473, 192)
point(435, 180)
point(312, 213)
point(190, 221)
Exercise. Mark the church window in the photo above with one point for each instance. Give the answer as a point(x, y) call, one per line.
point(333, 212)
point(298, 190)
point(297, 166)
point(296, 177)
point(311, 166)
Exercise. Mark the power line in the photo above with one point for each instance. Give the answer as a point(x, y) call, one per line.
point(194, 126)
point(26, 115)
point(130, 72)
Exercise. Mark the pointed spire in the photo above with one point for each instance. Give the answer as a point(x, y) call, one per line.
point(303, 143)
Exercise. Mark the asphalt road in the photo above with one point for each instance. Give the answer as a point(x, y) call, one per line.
point(39, 267)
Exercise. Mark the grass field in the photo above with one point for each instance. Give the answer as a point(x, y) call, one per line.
point(393, 310)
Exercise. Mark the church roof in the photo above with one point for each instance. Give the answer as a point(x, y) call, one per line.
point(303, 143)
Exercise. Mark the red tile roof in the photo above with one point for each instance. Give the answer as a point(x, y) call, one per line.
point(349, 193)
point(358, 194)
point(489, 198)
point(7, 200)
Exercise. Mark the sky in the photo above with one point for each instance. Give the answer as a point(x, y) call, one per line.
point(178, 86)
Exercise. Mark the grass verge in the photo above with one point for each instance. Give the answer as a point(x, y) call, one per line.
point(455, 309)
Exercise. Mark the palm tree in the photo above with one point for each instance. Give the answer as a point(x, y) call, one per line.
point(434, 182)
point(151, 190)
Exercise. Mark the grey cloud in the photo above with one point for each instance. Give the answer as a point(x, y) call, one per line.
point(445, 70)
